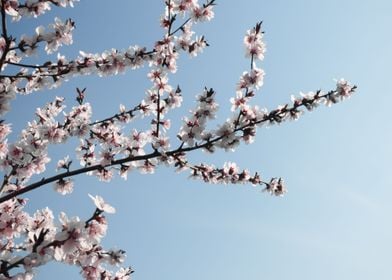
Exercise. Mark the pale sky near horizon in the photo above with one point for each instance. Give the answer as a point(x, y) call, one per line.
point(334, 221)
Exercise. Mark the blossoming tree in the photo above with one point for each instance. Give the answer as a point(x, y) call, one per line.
point(30, 240)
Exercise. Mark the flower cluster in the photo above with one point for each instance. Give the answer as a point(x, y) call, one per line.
point(253, 41)
point(5, 129)
point(7, 49)
point(35, 8)
point(29, 154)
point(229, 174)
point(194, 127)
point(71, 241)
point(59, 33)
point(111, 62)
point(8, 90)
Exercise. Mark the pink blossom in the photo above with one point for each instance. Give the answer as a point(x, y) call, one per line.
point(202, 13)
point(254, 45)
point(96, 229)
point(238, 101)
point(276, 187)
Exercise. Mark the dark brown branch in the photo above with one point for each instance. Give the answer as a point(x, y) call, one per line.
point(158, 114)
point(33, 66)
point(180, 27)
point(7, 39)
point(67, 174)
point(118, 116)
point(7, 178)
point(62, 69)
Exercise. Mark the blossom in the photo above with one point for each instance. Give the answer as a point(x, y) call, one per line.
point(61, 35)
point(344, 88)
point(104, 175)
point(147, 166)
point(230, 168)
point(254, 45)
point(11, 8)
point(97, 229)
point(276, 187)
point(123, 274)
point(102, 205)
point(238, 101)
point(71, 236)
point(3, 149)
point(64, 163)
point(161, 143)
point(202, 13)
point(64, 186)
point(252, 79)
point(5, 129)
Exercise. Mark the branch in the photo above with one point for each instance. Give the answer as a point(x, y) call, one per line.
point(209, 3)
point(180, 27)
point(39, 239)
point(158, 114)
point(276, 116)
point(74, 66)
point(118, 116)
point(7, 39)
point(33, 66)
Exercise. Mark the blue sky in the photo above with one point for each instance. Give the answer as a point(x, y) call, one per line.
point(334, 223)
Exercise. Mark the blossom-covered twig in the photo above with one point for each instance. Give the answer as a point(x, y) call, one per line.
point(72, 241)
point(252, 119)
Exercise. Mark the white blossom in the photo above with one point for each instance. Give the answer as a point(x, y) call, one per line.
point(101, 205)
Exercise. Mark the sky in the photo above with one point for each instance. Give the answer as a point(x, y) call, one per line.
point(333, 223)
